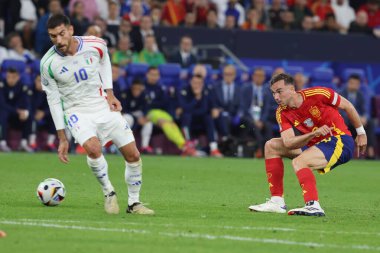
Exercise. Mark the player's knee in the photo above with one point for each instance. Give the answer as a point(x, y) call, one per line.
point(298, 163)
point(133, 156)
point(269, 147)
point(93, 149)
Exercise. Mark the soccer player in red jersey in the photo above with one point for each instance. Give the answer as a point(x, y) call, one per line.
point(324, 141)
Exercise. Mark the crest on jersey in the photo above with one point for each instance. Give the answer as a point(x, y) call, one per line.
point(309, 122)
point(296, 123)
point(314, 110)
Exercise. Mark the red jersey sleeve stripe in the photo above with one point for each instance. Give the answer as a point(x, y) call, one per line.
point(100, 52)
point(96, 41)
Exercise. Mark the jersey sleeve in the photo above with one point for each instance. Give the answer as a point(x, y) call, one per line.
point(105, 69)
point(282, 121)
point(326, 95)
point(49, 85)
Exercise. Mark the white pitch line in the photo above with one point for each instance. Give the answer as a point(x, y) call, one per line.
point(86, 228)
point(279, 229)
point(196, 235)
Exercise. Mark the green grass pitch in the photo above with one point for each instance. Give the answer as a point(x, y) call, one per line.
point(201, 206)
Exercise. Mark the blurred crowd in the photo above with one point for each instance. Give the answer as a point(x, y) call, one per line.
point(113, 19)
point(203, 111)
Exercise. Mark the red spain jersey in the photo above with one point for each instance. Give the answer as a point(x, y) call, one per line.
point(319, 107)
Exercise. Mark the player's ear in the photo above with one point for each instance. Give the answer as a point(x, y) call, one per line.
point(71, 30)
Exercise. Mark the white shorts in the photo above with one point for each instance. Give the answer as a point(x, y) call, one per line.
point(104, 124)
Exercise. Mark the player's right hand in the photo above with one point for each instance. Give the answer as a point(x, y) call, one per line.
point(63, 150)
point(361, 144)
point(323, 130)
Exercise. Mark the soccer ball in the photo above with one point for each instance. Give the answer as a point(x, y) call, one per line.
point(51, 192)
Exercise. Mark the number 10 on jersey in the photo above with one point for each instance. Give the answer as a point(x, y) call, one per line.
point(81, 75)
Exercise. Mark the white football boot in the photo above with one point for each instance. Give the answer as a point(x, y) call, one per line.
point(312, 208)
point(273, 205)
point(139, 208)
point(110, 203)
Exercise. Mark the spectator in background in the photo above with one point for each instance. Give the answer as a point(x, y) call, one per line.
point(10, 15)
point(79, 21)
point(157, 111)
point(103, 8)
point(139, 33)
point(106, 35)
point(234, 8)
point(344, 13)
point(3, 54)
point(155, 14)
point(360, 25)
point(15, 109)
point(330, 24)
point(173, 12)
point(124, 29)
point(42, 40)
point(307, 24)
point(300, 10)
point(257, 104)
point(230, 22)
point(287, 21)
point(322, 10)
point(113, 19)
point(27, 23)
point(41, 118)
point(275, 11)
point(253, 21)
point(134, 110)
point(195, 104)
point(227, 102)
point(278, 70)
point(201, 8)
point(136, 13)
point(372, 9)
point(94, 30)
point(190, 19)
point(184, 55)
point(150, 54)
point(122, 56)
point(16, 49)
point(92, 9)
point(353, 94)
point(125, 6)
point(212, 19)
point(259, 6)
point(299, 81)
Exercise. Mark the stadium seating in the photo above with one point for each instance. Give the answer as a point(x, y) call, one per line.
point(294, 70)
point(350, 71)
point(170, 74)
point(20, 66)
point(323, 77)
point(136, 70)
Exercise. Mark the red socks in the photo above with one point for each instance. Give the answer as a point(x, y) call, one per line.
point(308, 184)
point(275, 176)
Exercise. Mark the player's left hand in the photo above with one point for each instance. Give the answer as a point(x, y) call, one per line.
point(114, 103)
point(361, 144)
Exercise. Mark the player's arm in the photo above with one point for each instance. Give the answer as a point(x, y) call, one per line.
point(353, 116)
point(105, 71)
point(53, 96)
point(291, 141)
